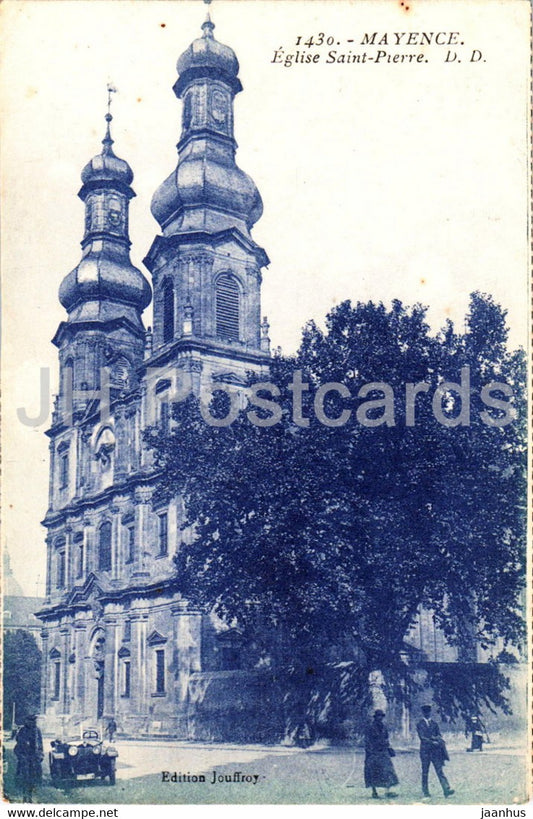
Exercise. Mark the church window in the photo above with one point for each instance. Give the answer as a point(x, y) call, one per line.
point(127, 679)
point(164, 417)
point(230, 650)
point(127, 631)
point(78, 540)
point(130, 543)
point(60, 563)
point(104, 547)
point(124, 657)
point(168, 311)
point(114, 211)
point(68, 376)
point(160, 671)
point(55, 673)
point(163, 534)
point(120, 372)
point(61, 570)
point(57, 679)
point(227, 307)
point(63, 471)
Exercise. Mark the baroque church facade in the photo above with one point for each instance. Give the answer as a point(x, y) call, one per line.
point(117, 639)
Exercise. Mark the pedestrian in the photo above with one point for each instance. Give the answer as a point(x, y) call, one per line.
point(432, 750)
point(29, 753)
point(111, 729)
point(379, 770)
point(478, 731)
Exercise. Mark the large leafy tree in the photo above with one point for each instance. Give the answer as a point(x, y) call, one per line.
point(21, 676)
point(320, 540)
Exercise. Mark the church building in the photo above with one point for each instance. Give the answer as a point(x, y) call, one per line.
point(117, 638)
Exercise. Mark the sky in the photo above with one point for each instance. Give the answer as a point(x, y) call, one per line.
point(379, 180)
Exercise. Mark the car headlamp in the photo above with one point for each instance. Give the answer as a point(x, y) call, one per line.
point(72, 751)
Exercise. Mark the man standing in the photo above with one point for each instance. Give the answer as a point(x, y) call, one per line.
point(29, 753)
point(432, 750)
point(111, 729)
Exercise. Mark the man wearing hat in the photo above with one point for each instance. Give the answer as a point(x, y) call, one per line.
point(432, 750)
point(29, 753)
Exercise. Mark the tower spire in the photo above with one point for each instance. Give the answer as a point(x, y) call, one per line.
point(107, 142)
point(208, 25)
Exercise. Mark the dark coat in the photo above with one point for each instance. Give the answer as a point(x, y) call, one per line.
point(379, 770)
point(432, 745)
point(29, 753)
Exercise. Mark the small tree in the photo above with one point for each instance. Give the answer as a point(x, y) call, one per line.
point(21, 676)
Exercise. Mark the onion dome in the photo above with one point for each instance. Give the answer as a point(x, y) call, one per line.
point(206, 57)
point(105, 272)
point(106, 168)
point(207, 191)
point(219, 188)
point(100, 277)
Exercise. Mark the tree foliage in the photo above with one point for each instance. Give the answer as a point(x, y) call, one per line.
point(323, 542)
point(21, 676)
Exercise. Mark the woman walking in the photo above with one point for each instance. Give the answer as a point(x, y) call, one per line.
point(379, 770)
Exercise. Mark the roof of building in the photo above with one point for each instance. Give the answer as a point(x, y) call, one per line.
point(19, 611)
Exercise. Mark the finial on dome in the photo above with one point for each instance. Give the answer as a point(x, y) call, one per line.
point(208, 25)
point(107, 142)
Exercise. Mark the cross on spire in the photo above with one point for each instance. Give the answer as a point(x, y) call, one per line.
point(208, 25)
point(107, 142)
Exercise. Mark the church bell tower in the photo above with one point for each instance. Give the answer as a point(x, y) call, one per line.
point(205, 265)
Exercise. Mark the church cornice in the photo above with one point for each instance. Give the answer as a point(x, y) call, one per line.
point(207, 133)
point(165, 243)
point(67, 329)
point(205, 72)
point(122, 402)
point(84, 597)
point(80, 505)
point(215, 348)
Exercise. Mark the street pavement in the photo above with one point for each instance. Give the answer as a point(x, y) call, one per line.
point(279, 775)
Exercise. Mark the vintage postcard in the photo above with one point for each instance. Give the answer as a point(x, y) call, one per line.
point(265, 365)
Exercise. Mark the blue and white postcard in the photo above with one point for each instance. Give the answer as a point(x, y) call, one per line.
point(265, 382)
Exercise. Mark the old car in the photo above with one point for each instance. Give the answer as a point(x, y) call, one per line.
point(82, 760)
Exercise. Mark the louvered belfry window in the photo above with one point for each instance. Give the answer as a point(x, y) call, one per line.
point(227, 307)
point(168, 311)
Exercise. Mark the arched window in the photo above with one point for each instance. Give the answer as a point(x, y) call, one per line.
point(168, 311)
point(60, 546)
point(78, 551)
point(227, 307)
point(68, 376)
point(104, 547)
point(55, 673)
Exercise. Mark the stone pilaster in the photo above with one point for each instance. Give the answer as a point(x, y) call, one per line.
point(142, 530)
point(139, 670)
point(68, 556)
point(80, 649)
point(111, 665)
point(64, 632)
point(45, 671)
point(115, 543)
point(187, 642)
